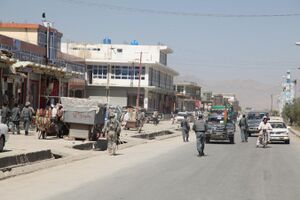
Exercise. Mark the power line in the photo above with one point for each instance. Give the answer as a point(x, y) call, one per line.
point(177, 13)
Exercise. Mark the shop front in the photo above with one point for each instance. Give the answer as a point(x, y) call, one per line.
point(75, 87)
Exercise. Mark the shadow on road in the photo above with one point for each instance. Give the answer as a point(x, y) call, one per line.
point(6, 150)
point(219, 142)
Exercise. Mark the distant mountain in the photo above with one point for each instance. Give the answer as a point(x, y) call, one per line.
point(250, 93)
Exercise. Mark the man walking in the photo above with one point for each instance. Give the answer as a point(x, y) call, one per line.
point(15, 118)
point(112, 130)
point(185, 125)
point(200, 128)
point(27, 116)
point(5, 112)
point(243, 124)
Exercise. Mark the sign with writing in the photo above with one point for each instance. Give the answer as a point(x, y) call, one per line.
point(80, 117)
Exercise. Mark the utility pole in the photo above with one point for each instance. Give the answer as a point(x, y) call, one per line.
point(139, 84)
point(271, 103)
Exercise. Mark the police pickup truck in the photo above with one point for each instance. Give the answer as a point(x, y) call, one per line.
point(218, 129)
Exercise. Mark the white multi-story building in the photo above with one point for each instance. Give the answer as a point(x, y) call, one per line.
point(113, 74)
point(288, 91)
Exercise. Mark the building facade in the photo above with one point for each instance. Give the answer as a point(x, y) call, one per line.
point(118, 73)
point(40, 72)
point(188, 96)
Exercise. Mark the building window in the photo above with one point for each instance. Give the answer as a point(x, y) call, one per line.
point(163, 58)
point(98, 71)
point(150, 76)
point(180, 89)
point(127, 72)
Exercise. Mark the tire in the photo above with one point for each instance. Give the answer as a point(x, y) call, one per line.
point(2, 143)
point(249, 134)
point(287, 142)
point(231, 140)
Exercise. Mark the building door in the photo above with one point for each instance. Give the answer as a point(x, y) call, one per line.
point(34, 93)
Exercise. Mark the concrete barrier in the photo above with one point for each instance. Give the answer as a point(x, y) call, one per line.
point(151, 136)
point(24, 159)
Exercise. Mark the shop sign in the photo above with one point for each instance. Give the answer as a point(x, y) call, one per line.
point(76, 83)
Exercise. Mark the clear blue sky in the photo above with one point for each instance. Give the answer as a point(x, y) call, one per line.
point(259, 48)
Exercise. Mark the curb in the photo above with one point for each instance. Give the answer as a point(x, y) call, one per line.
point(30, 161)
point(294, 132)
point(24, 159)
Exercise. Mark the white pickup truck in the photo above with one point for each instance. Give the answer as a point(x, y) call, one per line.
point(3, 136)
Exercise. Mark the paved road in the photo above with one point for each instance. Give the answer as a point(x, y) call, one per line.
point(169, 169)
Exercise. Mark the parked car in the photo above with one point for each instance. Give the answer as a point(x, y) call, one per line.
point(279, 130)
point(3, 136)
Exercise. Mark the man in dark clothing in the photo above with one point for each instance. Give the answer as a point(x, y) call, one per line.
point(185, 125)
point(27, 116)
point(15, 118)
point(5, 113)
point(200, 128)
point(243, 124)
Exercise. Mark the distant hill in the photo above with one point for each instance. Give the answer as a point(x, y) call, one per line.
point(250, 93)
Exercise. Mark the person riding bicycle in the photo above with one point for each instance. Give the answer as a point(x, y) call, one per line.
point(264, 126)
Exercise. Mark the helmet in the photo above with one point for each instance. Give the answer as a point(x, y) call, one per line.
point(264, 118)
point(27, 103)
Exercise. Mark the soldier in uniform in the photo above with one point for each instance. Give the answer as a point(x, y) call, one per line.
point(15, 118)
point(140, 120)
point(200, 128)
point(5, 112)
point(112, 131)
point(27, 116)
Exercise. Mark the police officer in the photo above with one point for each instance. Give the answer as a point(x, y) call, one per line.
point(200, 128)
point(15, 118)
point(27, 116)
point(112, 131)
point(185, 125)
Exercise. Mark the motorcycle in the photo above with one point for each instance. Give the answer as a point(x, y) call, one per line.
point(263, 139)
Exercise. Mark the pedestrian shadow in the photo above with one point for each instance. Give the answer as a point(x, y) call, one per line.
point(6, 150)
point(118, 154)
point(50, 138)
point(266, 147)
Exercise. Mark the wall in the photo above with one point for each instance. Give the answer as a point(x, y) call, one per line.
point(27, 35)
point(118, 52)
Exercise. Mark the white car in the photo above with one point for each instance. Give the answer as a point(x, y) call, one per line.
point(3, 136)
point(279, 130)
point(179, 117)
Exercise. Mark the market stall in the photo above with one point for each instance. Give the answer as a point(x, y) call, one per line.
point(81, 115)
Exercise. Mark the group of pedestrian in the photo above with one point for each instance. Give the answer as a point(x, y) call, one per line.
point(264, 125)
point(200, 127)
point(49, 120)
point(13, 117)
